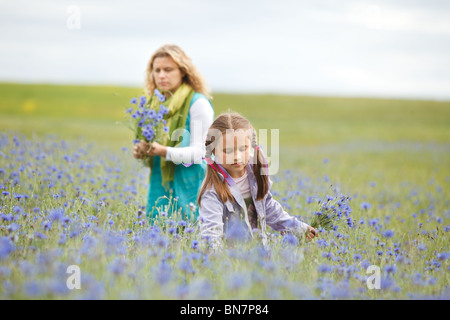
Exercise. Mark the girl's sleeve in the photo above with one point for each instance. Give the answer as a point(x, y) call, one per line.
point(201, 117)
point(211, 217)
point(280, 220)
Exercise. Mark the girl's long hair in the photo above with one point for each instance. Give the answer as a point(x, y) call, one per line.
point(223, 123)
point(192, 77)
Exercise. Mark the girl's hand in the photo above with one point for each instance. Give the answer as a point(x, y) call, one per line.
point(311, 234)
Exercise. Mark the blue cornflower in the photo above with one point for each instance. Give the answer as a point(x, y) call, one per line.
point(166, 129)
point(129, 110)
point(143, 99)
point(18, 210)
point(421, 247)
point(163, 109)
point(13, 227)
point(133, 101)
point(40, 235)
point(160, 96)
point(324, 268)
point(290, 239)
point(47, 225)
point(365, 206)
point(350, 222)
point(194, 244)
point(388, 234)
point(152, 114)
point(56, 215)
point(443, 256)
point(390, 268)
point(6, 247)
point(322, 243)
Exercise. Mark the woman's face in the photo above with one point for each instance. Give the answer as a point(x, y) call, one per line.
point(233, 152)
point(167, 74)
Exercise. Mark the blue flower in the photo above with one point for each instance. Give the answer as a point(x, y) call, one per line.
point(152, 114)
point(290, 239)
point(388, 234)
point(13, 227)
point(365, 206)
point(163, 109)
point(6, 247)
point(324, 268)
point(390, 268)
point(133, 101)
point(160, 96)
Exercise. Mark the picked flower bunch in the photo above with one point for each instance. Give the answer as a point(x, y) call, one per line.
point(333, 213)
point(147, 120)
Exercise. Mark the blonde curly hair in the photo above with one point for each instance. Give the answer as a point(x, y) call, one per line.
point(191, 75)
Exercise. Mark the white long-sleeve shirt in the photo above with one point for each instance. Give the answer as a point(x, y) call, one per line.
point(201, 117)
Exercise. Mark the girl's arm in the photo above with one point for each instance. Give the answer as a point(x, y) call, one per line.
point(211, 217)
point(201, 118)
point(279, 219)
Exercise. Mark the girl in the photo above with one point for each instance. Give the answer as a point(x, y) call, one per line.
point(236, 186)
point(172, 72)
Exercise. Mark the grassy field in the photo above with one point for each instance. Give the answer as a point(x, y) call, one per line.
point(77, 201)
point(395, 138)
point(74, 111)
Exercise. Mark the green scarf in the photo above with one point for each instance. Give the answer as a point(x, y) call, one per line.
point(178, 105)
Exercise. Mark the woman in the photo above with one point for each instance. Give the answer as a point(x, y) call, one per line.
point(177, 169)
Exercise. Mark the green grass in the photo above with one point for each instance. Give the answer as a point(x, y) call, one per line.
point(92, 112)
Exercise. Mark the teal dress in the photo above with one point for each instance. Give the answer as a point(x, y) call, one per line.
point(183, 191)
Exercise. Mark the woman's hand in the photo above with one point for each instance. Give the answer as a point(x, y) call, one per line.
point(140, 149)
point(145, 148)
point(311, 234)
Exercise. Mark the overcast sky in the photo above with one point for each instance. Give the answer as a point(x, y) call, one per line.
point(396, 48)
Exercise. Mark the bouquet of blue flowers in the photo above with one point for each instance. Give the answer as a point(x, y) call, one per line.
point(146, 121)
point(332, 214)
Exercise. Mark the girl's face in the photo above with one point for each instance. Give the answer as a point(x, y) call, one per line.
point(167, 74)
point(233, 152)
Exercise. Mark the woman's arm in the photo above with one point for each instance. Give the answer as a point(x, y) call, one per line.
point(201, 118)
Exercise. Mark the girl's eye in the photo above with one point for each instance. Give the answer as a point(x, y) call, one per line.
point(228, 150)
